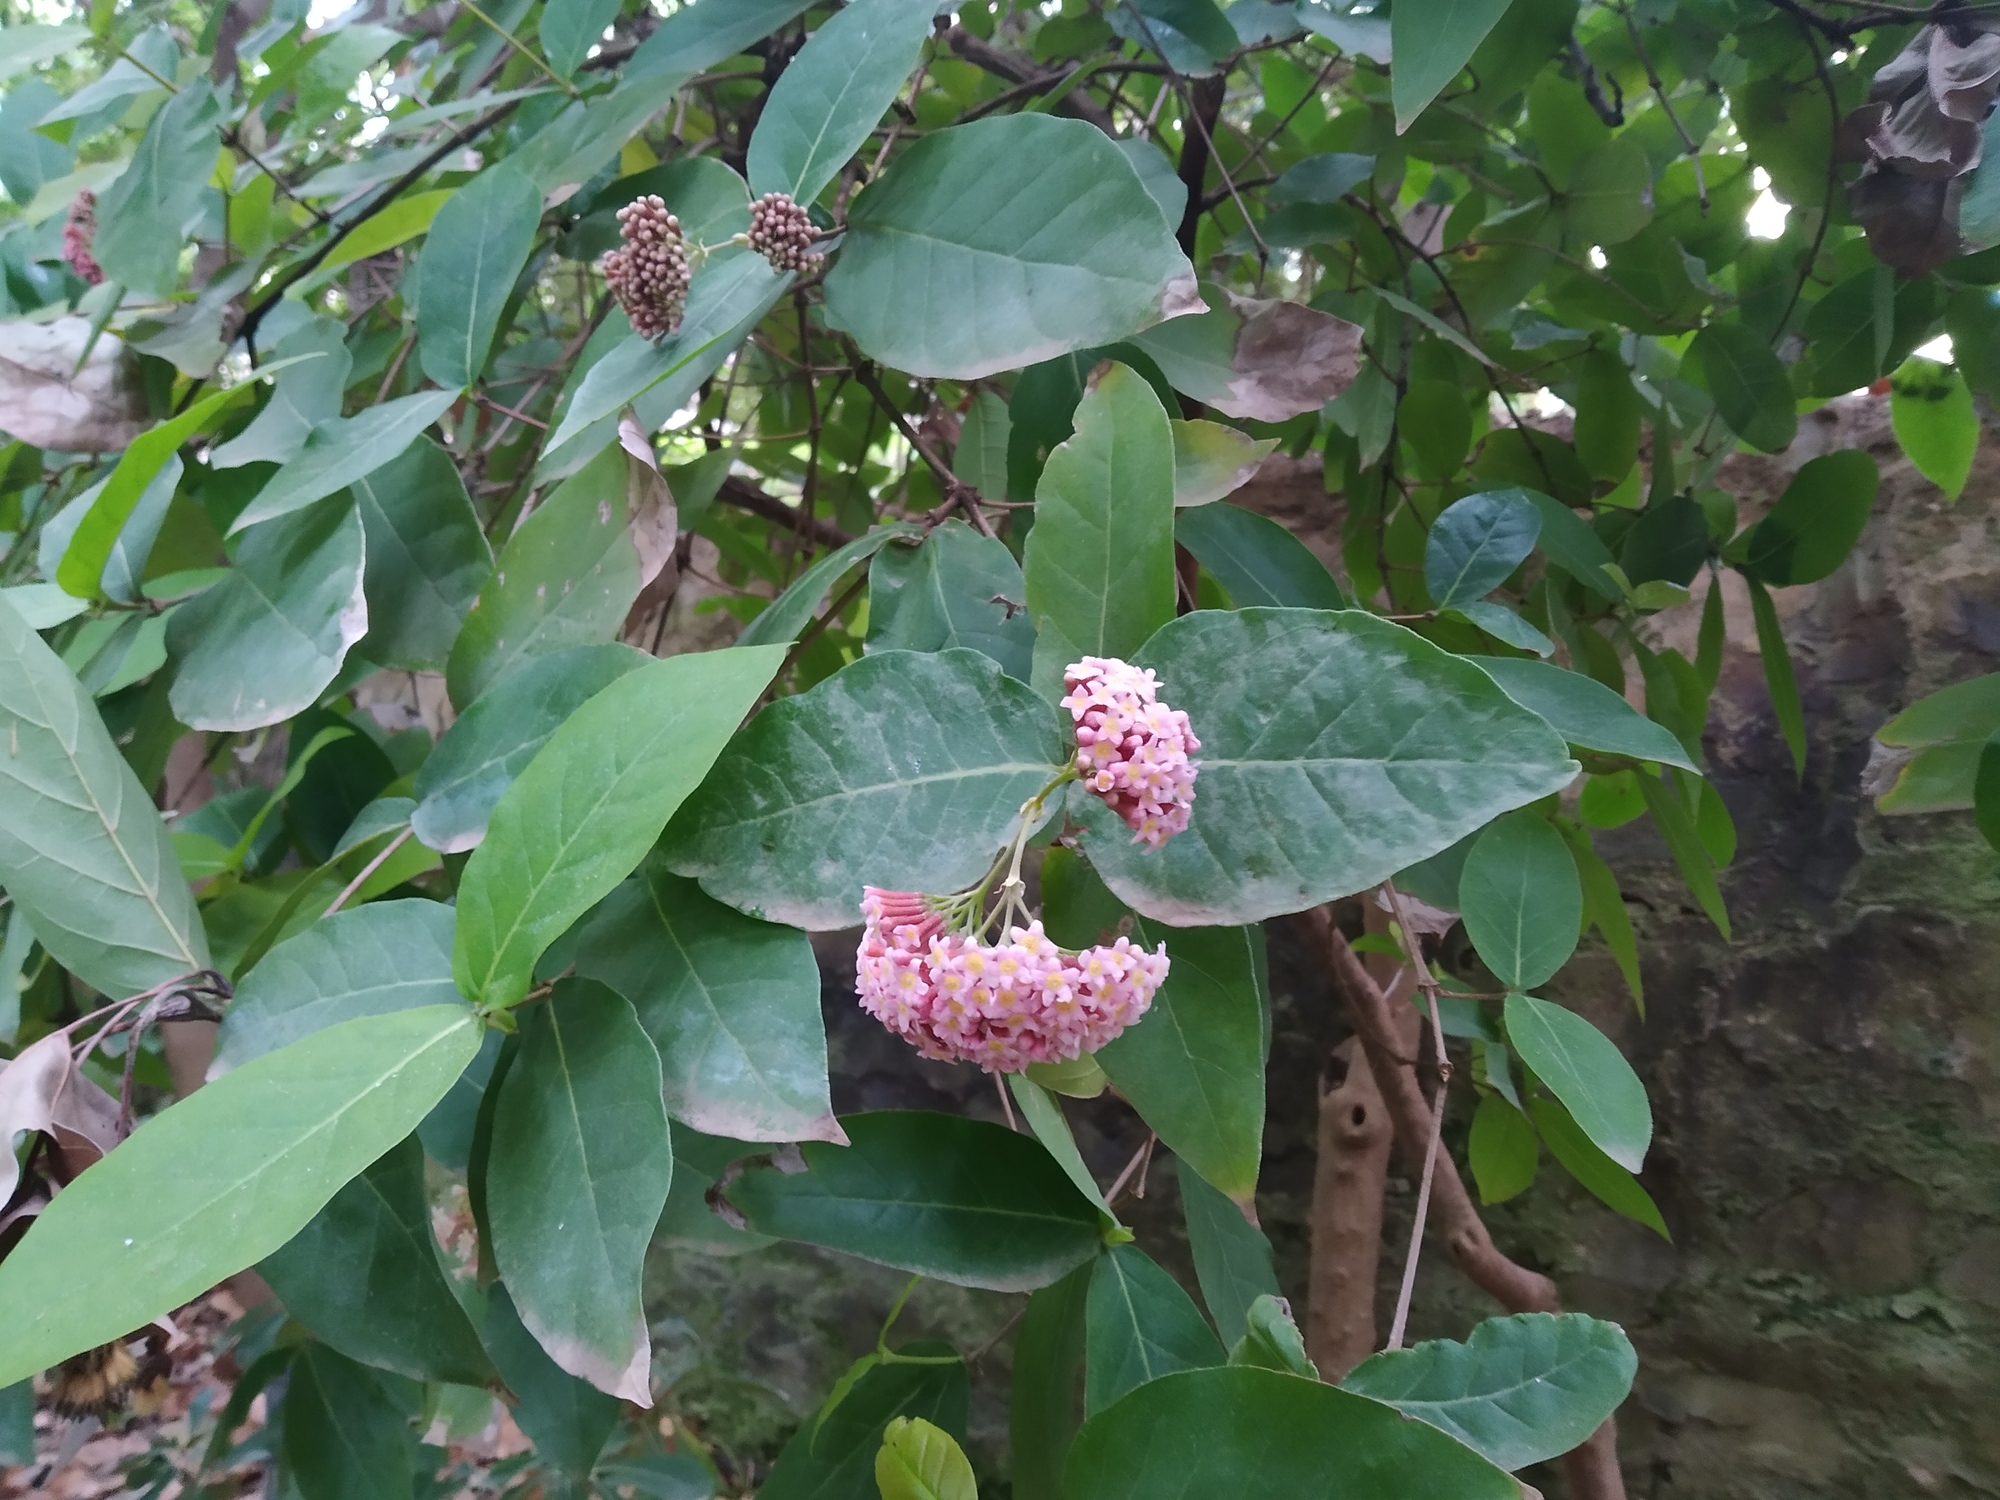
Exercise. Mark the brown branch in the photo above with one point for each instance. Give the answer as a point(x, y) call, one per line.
point(1017, 69)
point(1592, 1469)
point(1350, 1172)
point(746, 496)
point(1204, 96)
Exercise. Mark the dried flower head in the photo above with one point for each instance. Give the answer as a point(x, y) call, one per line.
point(1131, 749)
point(650, 275)
point(1003, 1005)
point(79, 232)
point(783, 233)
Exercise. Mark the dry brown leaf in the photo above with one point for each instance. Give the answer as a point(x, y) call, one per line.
point(47, 402)
point(1289, 359)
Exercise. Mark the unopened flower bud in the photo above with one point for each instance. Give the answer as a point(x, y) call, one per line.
point(783, 233)
point(650, 274)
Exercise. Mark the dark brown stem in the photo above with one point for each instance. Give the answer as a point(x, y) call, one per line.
point(1205, 100)
point(957, 493)
point(1017, 69)
point(746, 496)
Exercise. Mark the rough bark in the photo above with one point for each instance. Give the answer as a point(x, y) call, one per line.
point(1350, 1175)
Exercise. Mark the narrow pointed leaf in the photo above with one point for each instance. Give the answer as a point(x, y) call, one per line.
point(341, 1433)
point(1232, 1259)
point(1044, 1409)
point(342, 450)
point(1584, 711)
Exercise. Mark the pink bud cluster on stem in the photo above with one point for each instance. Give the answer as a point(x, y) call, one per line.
point(783, 233)
point(79, 233)
point(1001, 1005)
point(650, 275)
point(1131, 749)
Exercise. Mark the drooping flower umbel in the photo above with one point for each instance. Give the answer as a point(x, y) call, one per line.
point(650, 274)
point(1002, 1005)
point(783, 233)
point(79, 231)
point(1131, 749)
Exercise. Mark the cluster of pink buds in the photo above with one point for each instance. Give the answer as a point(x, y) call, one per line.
point(1131, 749)
point(650, 275)
point(783, 233)
point(79, 231)
point(1001, 1005)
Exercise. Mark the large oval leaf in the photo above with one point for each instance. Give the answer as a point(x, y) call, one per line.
point(427, 557)
point(1258, 561)
point(474, 252)
point(589, 806)
point(580, 1167)
point(368, 961)
point(1476, 542)
point(1522, 899)
point(220, 1180)
point(1337, 748)
point(1034, 232)
point(906, 770)
point(261, 645)
point(364, 1275)
point(83, 852)
point(955, 589)
point(1214, 1431)
point(1519, 1390)
point(732, 1003)
point(964, 1201)
point(1140, 1326)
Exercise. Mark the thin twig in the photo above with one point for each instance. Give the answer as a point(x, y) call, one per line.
point(1427, 982)
point(1660, 93)
point(368, 869)
point(1006, 1104)
point(957, 493)
point(1140, 1159)
point(525, 50)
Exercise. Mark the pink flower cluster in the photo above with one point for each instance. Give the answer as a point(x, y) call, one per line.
point(1131, 749)
point(783, 233)
point(1002, 1005)
point(79, 232)
point(650, 275)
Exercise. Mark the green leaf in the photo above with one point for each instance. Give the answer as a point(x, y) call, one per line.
point(661, 1476)
point(1948, 731)
point(1610, 1183)
point(1476, 542)
point(1203, 1431)
point(787, 615)
point(1141, 1325)
point(262, 645)
point(1336, 750)
point(1608, 410)
point(573, 147)
point(833, 1456)
point(100, 528)
point(731, 1003)
point(1232, 1259)
point(1036, 231)
point(1044, 1116)
point(1211, 460)
point(472, 257)
point(1778, 675)
point(1604, 902)
point(302, 396)
point(1501, 1149)
point(369, 960)
point(567, 1419)
point(955, 588)
point(427, 557)
point(1815, 523)
point(1431, 40)
point(1931, 409)
point(833, 93)
point(1751, 390)
point(1193, 1066)
point(1521, 1390)
point(17, 1423)
point(1201, 22)
point(1504, 625)
point(1582, 1067)
point(220, 1180)
point(493, 741)
point(1100, 559)
point(1436, 427)
point(590, 804)
point(1610, 194)
point(905, 770)
point(1584, 711)
point(1676, 825)
point(1986, 791)
point(570, 28)
point(570, 573)
point(364, 1276)
point(1272, 1341)
point(1324, 178)
point(1521, 899)
point(579, 1172)
point(83, 853)
point(981, 456)
point(920, 1462)
point(342, 450)
point(142, 218)
point(691, 41)
point(342, 1434)
point(26, 44)
point(958, 1200)
point(1258, 561)
point(1568, 541)
point(1043, 1411)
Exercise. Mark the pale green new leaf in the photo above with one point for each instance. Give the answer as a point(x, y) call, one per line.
point(83, 852)
point(921, 1461)
point(589, 805)
point(220, 1180)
